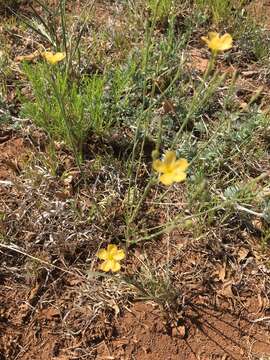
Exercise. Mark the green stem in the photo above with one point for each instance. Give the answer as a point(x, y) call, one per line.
point(195, 104)
point(210, 66)
point(146, 190)
point(70, 135)
point(173, 225)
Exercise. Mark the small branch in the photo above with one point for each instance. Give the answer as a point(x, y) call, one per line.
point(261, 319)
point(242, 208)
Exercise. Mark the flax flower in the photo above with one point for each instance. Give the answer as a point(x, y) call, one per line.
point(53, 58)
point(112, 257)
point(217, 43)
point(171, 170)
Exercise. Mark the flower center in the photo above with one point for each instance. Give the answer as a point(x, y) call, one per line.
point(170, 169)
point(110, 256)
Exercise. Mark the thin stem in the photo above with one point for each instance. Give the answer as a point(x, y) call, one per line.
point(146, 190)
point(196, 102)
point(210, 66)
point(71, 137)
point(173, 225)
point(63, 23)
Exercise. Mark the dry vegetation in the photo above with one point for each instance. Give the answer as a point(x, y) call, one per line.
point(78, 140)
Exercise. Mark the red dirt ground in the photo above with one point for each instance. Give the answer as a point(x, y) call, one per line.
point(46, 317)
point(12, 151)
point(211, 335)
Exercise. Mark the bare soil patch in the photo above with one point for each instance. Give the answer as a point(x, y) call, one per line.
point(47, 323)
point(13, 151)
point(209, 334)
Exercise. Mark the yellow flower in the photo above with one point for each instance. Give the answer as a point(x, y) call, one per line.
point(218, 43)
point(111, 258)
point(52, 58)
point(172, 170)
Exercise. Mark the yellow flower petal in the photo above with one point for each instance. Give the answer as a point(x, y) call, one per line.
point(52, 58)
point(217, 43)
point(120, 255)
point(59, 56)
point(213, 35)
point(171, 170)
point(112, 250)
point(181, 164)
point(159, 166)
point(169, 157)
point(102, 254)
point(115, 266)
point(106, 266)
point(112, 256)
point(206, 40)
point(179, 176)
point(226, 42)
point(166, 179)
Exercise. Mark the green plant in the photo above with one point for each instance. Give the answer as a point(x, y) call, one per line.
point(220, 10)
point(67, 111)
point(253, 40)
point(160, 9)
